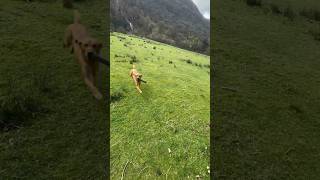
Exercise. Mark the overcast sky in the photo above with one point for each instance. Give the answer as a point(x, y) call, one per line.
point(204, 7)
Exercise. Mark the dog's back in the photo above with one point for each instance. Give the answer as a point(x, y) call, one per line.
point(79, 31)
point(75, 31)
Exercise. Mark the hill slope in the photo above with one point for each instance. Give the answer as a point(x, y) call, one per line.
point(51, 126)
point(175, 22)
point(171, 113)
point(268, 126)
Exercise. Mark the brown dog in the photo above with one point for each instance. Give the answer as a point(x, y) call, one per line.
point(136, 77)
point(84, 48)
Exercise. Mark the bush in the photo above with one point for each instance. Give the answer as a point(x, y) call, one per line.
point(254, 2)
point(133, 59)
point(16, 109)
point(315, 33)
point(67, 4)
point(19, 103)
point(117, 95)
point(275, 9)
point(306, 13)
point(311, 14)
point(316, 15)
point(189, 61)
point(289, 13)
point(170, 62)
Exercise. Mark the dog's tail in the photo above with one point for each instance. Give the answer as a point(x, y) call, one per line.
point(76, 16)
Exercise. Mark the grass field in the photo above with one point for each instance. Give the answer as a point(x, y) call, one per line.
point(164, 132)
point(51, 126)
point(266, 96)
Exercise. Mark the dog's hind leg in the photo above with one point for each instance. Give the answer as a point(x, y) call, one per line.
point(136, 81)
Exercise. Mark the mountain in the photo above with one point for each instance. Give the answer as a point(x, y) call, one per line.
point(174, 22)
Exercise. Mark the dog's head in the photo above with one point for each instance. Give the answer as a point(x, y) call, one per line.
point(90, 47)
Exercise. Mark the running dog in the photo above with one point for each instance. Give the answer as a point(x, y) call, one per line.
point(137, 78)
point(85, 49)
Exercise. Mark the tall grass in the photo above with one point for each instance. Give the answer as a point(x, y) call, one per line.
point(18, 105)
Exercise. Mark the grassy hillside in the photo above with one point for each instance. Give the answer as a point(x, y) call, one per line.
point(267, 93)
point(172, 113)
point(51, 126)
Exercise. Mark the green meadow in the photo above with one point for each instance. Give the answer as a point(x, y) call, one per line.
point(162, 133)
point(266, 97)
point(51, 126)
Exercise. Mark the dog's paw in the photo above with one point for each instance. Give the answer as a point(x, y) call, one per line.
point(98, 96)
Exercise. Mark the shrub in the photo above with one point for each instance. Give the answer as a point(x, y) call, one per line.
point(133, 59)
point(170, 62)
point(315, 33)
point(311, 14)
point(254, 2)
point(117, 95)
point(275, 9)
point(316, 15)
point(189, 61)
point(289, 13)
point(305, 13)
point(17, 108)
point(67, 4)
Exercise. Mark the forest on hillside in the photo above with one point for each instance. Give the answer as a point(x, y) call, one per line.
point(174, 22)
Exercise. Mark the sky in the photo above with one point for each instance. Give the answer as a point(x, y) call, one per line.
point(204, 7)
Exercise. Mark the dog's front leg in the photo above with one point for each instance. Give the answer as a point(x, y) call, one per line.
point(89, 80)
point(137, 85)
point(98, 75)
